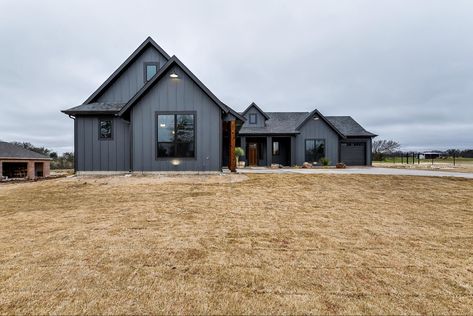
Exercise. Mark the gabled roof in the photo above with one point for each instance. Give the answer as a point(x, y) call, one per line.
point(348, 126)
point(11, 151)
point(160, 74)
point(148, 42)
point(323, 118)
point(95, 108)
point(253, 105)
point(280, 123)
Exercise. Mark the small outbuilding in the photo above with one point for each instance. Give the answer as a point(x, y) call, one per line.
point(19, 163)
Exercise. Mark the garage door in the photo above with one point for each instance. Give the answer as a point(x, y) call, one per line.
point(353, 153)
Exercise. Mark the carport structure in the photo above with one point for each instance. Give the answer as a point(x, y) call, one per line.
point(19, 163)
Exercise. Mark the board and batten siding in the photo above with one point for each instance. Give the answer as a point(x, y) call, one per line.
point(132, 79)
point(93, 154)
point(176, 95)
point(260, 120)
point(317, 129)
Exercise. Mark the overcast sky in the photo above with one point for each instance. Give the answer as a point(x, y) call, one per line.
point(402, 69)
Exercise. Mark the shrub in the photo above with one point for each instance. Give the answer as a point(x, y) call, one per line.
point(324, 161)
point(239, 152)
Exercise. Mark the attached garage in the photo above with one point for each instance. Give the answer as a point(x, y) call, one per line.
point(353, 153)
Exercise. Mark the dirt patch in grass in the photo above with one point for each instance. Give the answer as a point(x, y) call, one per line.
point(271, 244)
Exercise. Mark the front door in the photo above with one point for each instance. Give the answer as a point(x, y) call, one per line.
point(252, 154)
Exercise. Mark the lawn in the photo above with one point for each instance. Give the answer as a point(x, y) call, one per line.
point(262, 244)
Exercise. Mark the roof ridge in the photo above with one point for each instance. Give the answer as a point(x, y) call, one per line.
point(137, 52)
point(173, 60)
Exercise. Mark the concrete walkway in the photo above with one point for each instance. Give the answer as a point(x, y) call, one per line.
point(367, 170)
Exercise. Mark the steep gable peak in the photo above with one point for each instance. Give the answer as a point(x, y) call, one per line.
point(148, 42)
point(253, 105)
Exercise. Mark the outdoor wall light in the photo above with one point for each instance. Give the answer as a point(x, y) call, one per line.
point(175, 162)
point(174, 75)
point(316, 118)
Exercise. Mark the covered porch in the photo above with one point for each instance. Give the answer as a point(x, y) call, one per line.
point(266, 150)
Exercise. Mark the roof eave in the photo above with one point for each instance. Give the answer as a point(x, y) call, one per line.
point(114, 113)
point(25, 158)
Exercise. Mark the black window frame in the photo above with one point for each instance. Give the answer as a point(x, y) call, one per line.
point(100, 128)
point(145, 68)
point(255, 116)
point(194, 140)
point(278, 152)
point(315, 140)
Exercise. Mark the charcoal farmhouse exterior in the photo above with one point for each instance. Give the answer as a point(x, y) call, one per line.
point(154, 114)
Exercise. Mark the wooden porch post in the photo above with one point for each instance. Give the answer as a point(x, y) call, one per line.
point(232, 158)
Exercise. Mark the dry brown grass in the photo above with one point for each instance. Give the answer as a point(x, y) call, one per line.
point(273, 244)
point(437, 166)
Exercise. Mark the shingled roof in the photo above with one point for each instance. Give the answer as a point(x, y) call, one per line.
point(95, 108)
point(10, 151)
point(287, 123)
point(348, 126)
point(278, 123)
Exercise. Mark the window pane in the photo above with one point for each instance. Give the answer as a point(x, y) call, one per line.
point(106, 129)
point(185, 150)
point(165, 128)
point(252, 118)
point(319, 149)
point(166, 150)
point(150, 71)
point(275, 148)
point(185, 128)
point(309, 149)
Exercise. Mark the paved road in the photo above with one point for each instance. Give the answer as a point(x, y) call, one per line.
point(380, 171)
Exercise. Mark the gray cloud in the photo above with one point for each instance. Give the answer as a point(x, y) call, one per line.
point(403, 69)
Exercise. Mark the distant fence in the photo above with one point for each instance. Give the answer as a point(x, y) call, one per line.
point(417, 158)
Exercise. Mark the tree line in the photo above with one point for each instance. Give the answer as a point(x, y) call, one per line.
point(64, 161)
point(384, 148)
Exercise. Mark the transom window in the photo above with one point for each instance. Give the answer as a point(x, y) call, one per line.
point(150, 69)
point(105, 129)
point(175, 135)
point(314, 150)
point(253, 118)
point(275, 148)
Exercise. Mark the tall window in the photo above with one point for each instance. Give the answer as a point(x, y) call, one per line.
point(105, 129)
point(176, 135)
point(275, 148)
point(150, 69)
point(314, 149)
point(253, 118)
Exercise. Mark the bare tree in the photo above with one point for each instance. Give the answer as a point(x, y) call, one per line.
point(383, 147)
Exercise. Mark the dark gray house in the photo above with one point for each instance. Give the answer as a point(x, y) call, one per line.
point(292, 138)
point(154, 114)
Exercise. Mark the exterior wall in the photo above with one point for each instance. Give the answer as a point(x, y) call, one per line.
point(92, 154)
point(260, 118)
point(30, 167)
point(130, 81)
point(174, 95)
point(317, 129)
point(46, 168)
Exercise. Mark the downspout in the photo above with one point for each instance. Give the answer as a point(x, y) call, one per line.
point(130, 132)
point(75, 142)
